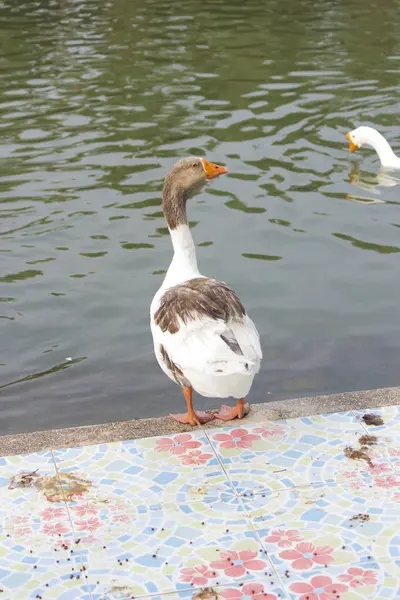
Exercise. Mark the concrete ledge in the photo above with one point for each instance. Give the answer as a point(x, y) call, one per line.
point(140, 428)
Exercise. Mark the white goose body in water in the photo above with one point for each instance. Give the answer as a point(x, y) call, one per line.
point(368, 136)
point(203, 338)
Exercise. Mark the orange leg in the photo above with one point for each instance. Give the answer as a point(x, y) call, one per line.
point(191, 418)
point(228, 413)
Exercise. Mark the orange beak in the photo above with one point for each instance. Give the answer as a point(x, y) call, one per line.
point(353, 146)
point(212, 170)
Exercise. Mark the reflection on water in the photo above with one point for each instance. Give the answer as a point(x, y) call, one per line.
point(55, 369)
point(368, 245)
point(372, 182)
point(99, 99)
point(261, 256)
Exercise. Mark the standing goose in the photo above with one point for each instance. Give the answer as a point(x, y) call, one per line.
point(203, 338)
point(368, 136)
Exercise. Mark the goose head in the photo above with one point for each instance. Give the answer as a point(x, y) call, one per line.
point(360, 137)
point(364, 135)
point(191, 173)
point(185, 179)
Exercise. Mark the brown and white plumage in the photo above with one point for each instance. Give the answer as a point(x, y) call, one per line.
point(203, 338)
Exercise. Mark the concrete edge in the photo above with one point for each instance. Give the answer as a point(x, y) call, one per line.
point(140, 428)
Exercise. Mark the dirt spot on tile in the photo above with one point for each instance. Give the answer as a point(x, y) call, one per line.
point(118, 591)
point(360, 518)
point(73, 485)
point(24, 480)
point(368, 440)
point(358, 455)
point(49, 485)
point(206, 594)
point(123, 589)
point(362, 453)
point(314, 499)
point(371, 419)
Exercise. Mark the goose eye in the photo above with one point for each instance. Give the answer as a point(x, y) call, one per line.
point(195, 165)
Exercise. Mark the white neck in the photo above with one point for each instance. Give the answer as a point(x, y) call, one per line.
point(184, 263)
point(383, 149)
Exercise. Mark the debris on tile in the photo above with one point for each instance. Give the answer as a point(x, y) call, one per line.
point(121, 590)
point(23, 480)
point(313, 498)
point(206, 594)
point(73, 485)
point(368, 440)
point(371, 419)
point(357, 455)
point(361, 517)
point(49, 485)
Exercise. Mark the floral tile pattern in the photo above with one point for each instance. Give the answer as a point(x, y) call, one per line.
point(39, 564)
point(171, 550)
point(351, 583)
point(304, 528)
point(303, 509)
point(257, 590)
point(285, 454)
point(130, 471)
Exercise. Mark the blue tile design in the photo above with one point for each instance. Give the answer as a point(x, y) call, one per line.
point(273, 511)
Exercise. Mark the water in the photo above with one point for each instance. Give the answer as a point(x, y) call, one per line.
point(99, 99)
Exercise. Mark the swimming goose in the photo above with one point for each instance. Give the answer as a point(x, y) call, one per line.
point(370, 137)
point(203, 338)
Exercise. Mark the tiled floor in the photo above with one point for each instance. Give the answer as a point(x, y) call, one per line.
point(306, 509)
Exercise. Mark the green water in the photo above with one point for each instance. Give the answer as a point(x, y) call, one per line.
point(97, 101)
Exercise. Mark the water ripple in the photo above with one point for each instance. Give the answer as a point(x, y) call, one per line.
point(97, 101)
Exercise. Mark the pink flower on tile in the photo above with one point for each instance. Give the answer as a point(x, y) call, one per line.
point(195, 457)
point(396, 464)
point(20, 520)
point(197, 575)
point(177, 444)
point(320, 588)
point(118, 506)
point(237, 438)
point(119, 518)
point(305, 554)
point(53, 512)
point(23, 531)
point(269, 430)
point(355, 481)
point(83, 510)
point(75, 497)
point(356, 484)
point(349, 474)
point(253, 590)
point(356, 577)
point(55, 528)
point(387, 482)
point(62, 544)
point(57, 498)
point(284, 538)
point(88, 539)
point(90, 524)
point(235, 564)
point(378, 469)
